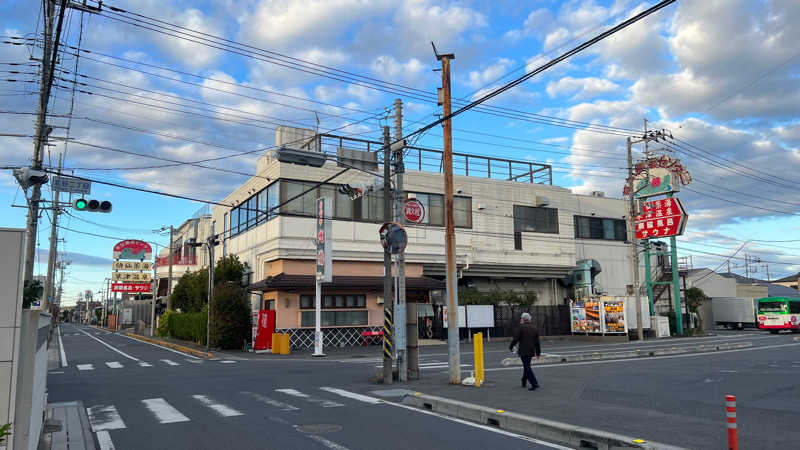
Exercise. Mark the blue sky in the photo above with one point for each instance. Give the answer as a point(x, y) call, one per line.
point(722, 76)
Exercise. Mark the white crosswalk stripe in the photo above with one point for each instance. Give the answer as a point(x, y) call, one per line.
point(352, 395)
point(227, 362)
point(170, 362)
point(114, 365)
point(193, 361)
point(271, 402)
point(219, 408)
point(85, 367)
point(104, 417)
point(144, 364)
point(163, 411)
point(320, 401)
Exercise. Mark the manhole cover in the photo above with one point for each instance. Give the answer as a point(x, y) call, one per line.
point(319, 428)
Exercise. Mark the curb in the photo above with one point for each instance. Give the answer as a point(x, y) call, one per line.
point(629, 354)
point(557, 432)
point(180, 348)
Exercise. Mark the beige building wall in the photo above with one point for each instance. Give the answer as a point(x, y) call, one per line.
point(751, 290)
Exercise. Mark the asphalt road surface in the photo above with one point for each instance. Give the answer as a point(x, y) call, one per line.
point(141, 396)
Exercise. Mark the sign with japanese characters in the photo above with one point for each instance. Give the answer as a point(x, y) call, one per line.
point(661, 218)
point(324, 243)
point(658, 176)
point(133, 249)
point(132, 277)
point(132, 265)
point(130, 287)
point(72, 185)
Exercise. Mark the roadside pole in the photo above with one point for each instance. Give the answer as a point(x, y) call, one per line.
point(169, 280)
point(634, 250)
point(210, 245)
point(49, 289)
point(402, 334)
point(453, 344)
point(387, 264)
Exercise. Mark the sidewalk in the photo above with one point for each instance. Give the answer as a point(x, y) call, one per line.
point(74, 432)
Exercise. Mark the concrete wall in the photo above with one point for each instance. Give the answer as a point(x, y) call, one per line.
point(712, 284)
point(751, 290)
point(31, 379)
point(12, 247)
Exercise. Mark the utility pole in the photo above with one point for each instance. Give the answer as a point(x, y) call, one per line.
point(169, 280)
point(402, 333)
point(49, 56)
point(387, 264)
point(453, 344)
point(634, 250)
point(49, 289)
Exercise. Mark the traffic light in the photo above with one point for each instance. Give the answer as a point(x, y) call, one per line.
point(28, 177)
point(91, 205)
point(301, 157)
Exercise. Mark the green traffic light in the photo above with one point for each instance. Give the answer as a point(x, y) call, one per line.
point(80, 204)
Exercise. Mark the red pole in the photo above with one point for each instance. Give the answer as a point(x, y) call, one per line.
point(733, 436)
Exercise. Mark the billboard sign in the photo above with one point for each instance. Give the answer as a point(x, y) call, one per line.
point(130, 287)
point(71, 185)
point(658, 176)
point(133, 249)
point(661, 218)
point(132, 277)
point(324, 244)
point(132, 265)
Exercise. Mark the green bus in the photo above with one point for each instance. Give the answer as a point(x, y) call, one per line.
point(779, 313)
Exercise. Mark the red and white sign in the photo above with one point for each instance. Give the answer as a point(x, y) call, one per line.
point(661, 218)
point(413, 211)
point(266, 326)
point(130, 287)
point(133, 249)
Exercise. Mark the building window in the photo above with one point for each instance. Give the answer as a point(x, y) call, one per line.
point(334, 301)
point(262, 206)
point(600, 228)
point(434, 209)
point(335, 312)
point(535, 219)
point(335, 318)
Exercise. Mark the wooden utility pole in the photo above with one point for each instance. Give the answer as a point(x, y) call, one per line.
point(453, 344)
point(388, 326)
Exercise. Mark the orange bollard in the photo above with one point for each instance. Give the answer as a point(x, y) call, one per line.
point(733, 432)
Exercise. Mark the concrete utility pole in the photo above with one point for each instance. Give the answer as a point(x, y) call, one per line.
point(49, 56)
point(402, 334)
point(169, 280)
point(387, 264)
point(453, 344)
point(49, 288)
point(634, 250)
point(210, 244)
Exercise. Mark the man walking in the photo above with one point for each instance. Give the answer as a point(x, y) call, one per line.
point(528, 338)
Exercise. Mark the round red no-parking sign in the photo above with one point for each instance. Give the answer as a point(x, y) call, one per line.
point(413, 211)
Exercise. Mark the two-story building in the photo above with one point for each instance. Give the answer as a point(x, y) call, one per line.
point(185, 258)
point(514, 230)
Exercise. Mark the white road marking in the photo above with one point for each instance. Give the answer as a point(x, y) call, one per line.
point(633, 360)
point(61, 348)
point(171, 363)
point(271, 402)
point(104, 417)
point(114, 365)
point(227, 362)
point(85, 367)
point(330, 444)
point(109, 346)
point(160, 346)
point(481, 426)
point(324, 403)
point(144, 364)
point(51, 373)
point(194, 361)
point(163, 411)
point(104, 439)
point(219, 408)
point(353, 395)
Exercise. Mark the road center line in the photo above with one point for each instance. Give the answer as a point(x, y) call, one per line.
point(109, 346)
point(61, 348)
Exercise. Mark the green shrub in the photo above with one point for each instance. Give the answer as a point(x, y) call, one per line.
point(163, 323)
point(4, 432)
point(230, 316)
point(184, 326)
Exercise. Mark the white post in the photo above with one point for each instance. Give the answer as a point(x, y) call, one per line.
point(318, 320)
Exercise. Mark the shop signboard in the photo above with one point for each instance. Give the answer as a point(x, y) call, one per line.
point(593, 311)
point(661, 218)
point(324, 242)
point(578, 317)
point(614, 317)
point(598, 316)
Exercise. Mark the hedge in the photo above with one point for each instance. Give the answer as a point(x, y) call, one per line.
point(184, 326)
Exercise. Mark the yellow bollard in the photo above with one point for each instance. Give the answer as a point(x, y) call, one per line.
point(285, 346)
point(477, 343)
point(276, 342)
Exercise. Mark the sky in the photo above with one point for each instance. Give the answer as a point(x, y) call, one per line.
point(720, 76)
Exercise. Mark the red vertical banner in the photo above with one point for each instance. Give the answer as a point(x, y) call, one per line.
point(266, 326)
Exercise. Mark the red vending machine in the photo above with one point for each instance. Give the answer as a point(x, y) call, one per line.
point(266, 326)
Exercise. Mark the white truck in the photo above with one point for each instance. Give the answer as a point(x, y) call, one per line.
point(735, 312)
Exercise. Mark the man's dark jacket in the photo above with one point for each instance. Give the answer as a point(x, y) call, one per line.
point(528, 337)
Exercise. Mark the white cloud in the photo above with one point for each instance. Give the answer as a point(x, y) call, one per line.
point(388, 68)
point(479, 78)
point(556, 38)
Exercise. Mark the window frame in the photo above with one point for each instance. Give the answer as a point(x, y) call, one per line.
point(583, 228)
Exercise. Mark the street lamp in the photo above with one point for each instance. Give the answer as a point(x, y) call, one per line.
point(210, 243)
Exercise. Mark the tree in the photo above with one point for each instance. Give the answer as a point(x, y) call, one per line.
point(694, 298)
point(229, 268)
point(191, 292)
point(230, 316)
point(32, 292)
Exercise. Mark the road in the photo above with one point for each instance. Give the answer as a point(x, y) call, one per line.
point(141, 396)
